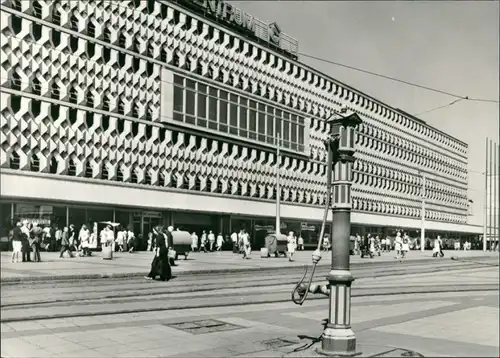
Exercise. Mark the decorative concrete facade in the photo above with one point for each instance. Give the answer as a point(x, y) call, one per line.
point(147, 94)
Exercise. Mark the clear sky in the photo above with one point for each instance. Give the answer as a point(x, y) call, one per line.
point(449, 45)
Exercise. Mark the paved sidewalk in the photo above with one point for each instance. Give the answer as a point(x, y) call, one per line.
point(433, 325)
point(138, 263)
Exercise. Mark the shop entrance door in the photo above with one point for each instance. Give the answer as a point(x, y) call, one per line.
point(148, 225)
point(143, 223)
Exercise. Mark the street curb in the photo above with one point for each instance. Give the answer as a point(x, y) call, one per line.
point(12, 280)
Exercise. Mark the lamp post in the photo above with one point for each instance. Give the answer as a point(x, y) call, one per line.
point(338, 337)
point(278, 188)
point(422, 215)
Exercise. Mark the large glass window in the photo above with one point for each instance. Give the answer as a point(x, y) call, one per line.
point(205, 106)
point(77, 217)
point(99, 215)
point(6, 221)
point(43, 214)
point(262, 228)
point(293, 133)
point(202, 105)
point(278, 114)
point(252, 120)
point(243, 127)
point(212, 108)
point(270, 125)
point(286, 130)
point(190, 101)
point(124, 218)
point(262, 123)
point(178, 98)
point(223, 107)
point(233, 114)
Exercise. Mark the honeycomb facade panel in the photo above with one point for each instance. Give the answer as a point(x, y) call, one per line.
point(149, 93)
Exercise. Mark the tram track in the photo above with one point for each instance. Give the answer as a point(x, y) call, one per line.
point(184, 285)
point(232, 301)
point(206, 291)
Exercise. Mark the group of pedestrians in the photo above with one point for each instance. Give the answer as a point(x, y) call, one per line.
point(207, 242)
point(241, 243)
point(27, 239)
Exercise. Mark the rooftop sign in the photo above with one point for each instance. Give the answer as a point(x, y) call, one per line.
point(237, 18)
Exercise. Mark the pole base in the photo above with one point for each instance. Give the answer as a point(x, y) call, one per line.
point(338, 342)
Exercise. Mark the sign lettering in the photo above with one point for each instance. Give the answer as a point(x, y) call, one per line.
point(235, 16)
point(228, 12)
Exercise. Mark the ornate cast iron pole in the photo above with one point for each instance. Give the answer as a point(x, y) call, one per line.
point(338, 337)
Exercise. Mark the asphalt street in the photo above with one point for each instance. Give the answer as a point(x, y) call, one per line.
point(426, 308)
point(80, 298)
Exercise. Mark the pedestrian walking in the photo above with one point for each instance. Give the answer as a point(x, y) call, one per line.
point(17, 242)
point(84, 238)
point(150, 241)
point(26, 251)
point(211, 240)
point(300, 243)
point(405, 246)
point(438, 247)
point(326, 244)
point(120, 238)
point(220, 241)
point(398, 242)
point(72, 238)
point(36, 240)
point(131, 241)
point(234, 240)
point(160, 265)
point(203, 241)
point(65, 243)
point(194, 242)
point(291, 244)
point(247, 247)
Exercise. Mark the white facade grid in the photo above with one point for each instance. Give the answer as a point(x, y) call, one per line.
point(83, 95)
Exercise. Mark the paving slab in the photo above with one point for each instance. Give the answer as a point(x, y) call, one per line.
point(408, 332)
point(137, 264)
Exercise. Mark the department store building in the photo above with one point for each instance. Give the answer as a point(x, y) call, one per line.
point(159, 112)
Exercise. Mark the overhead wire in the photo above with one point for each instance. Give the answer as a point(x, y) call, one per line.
point(400, 81)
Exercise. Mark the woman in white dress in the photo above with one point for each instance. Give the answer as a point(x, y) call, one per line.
point(405, 246)
point(194, 242)
point(219, 241)
point(371, 242)
point(120, 239)
point(84, 238)
point(326, 243)
point(291, 245)
point(436, 251)
point(398, 242)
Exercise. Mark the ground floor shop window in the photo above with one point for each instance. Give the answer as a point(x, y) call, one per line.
point(290, 226)
point(77, 217)
point(6, 225)
point(193, 222)
point(124, 219)
point(310, 233)
point(46, 215)
point(99, 215)
point(262, 228)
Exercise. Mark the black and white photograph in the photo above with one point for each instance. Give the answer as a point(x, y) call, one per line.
point(218, 178)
